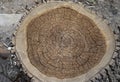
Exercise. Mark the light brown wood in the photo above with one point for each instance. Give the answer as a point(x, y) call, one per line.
point(63, 43)
point(50, 58)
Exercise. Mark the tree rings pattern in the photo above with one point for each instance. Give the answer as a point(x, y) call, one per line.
point(63, 43)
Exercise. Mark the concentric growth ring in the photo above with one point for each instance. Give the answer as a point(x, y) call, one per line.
point(63, 42)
